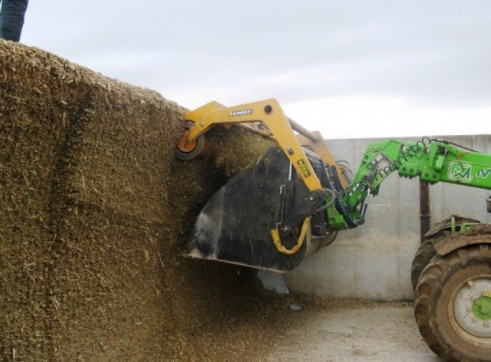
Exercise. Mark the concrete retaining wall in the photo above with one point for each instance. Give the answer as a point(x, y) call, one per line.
point(374, 261)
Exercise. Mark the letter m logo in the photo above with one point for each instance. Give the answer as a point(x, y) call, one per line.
point(484, 173)
point(460, 171)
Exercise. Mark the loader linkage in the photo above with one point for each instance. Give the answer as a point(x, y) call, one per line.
point(298, 195)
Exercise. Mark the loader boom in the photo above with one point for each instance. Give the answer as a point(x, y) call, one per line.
point(431, 160)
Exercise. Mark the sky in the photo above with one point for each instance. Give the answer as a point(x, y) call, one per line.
point(350, 69)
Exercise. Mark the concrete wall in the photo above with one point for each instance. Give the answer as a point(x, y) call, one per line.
point(374, 260)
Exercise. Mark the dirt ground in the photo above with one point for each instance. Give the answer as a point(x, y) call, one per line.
point(353, 331)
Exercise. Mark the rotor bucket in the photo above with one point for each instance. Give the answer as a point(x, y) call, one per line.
point(235, 225)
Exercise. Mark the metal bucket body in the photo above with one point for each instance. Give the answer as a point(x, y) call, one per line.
point(235, 225)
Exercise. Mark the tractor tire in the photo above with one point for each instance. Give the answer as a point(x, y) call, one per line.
point(423, 256)
point(453, 304)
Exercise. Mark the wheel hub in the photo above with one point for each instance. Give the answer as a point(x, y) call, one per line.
point(472, 307)
point(482, 308)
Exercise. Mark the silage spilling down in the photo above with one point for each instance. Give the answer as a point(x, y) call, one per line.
point(95, 213)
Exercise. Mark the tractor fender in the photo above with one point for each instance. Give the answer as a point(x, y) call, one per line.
point(453, 221)
point(456, 241)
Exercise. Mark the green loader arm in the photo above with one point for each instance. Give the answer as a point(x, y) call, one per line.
point(432, 160)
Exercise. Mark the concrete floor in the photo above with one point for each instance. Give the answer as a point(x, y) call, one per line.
point(386, 332)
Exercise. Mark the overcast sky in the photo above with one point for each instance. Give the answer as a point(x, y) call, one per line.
point(354, 68)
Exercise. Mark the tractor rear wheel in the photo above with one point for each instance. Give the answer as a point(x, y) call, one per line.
point(453, 304)
point(423, 256)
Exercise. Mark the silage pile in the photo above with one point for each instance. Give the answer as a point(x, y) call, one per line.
point(95, 213)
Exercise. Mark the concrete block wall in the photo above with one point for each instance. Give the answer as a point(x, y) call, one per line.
point(374, 260)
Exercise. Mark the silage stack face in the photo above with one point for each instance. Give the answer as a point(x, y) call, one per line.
point(95, 212)
point(84, 174)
